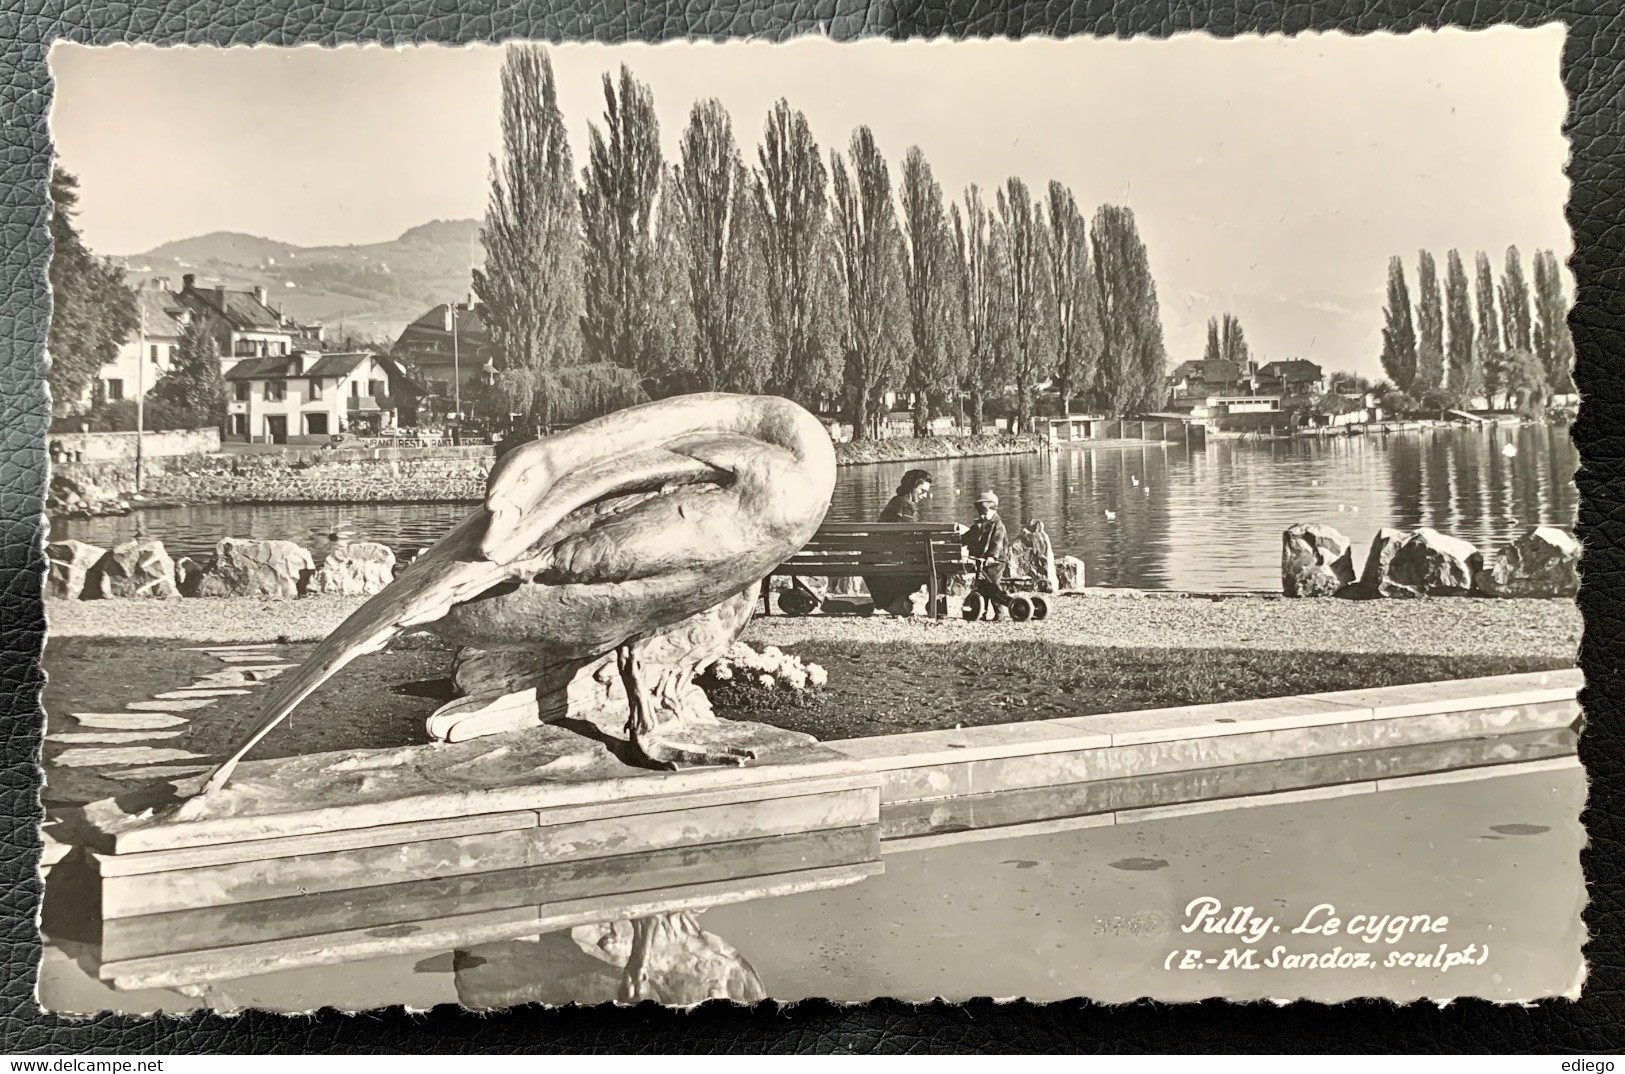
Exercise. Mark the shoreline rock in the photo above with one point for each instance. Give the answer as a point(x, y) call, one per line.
point(1316, 561)
point(1545, 562)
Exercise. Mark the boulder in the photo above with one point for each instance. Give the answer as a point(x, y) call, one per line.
point(137, 568)
point(1032, 556)
point(1421, 564)
point(70, 565)
point(251, 568)
point(1374, 579)
point(1316, 561)
point(81, 498)
point(1069, 574)
point(359, 568)
point(1545, 562)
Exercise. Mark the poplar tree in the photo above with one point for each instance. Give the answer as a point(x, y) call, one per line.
point(719, 229)
point(868, 252)
point(1487, 341)
point(981, 293)
point(1214, 351)
point(1071, 297)
point(1465, 376)
point(1133, 356)
point(792, 195)
point(1429, 327)
point(1022, 237)
point(531, 285)
point(1554, 345)
point(1399, 331)
point(927, 268)
point(620, 185)
point(1515, 316)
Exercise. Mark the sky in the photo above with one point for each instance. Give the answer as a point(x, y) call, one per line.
point(1271, 177)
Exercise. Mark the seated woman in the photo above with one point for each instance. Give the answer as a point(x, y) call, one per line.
point(892, 593)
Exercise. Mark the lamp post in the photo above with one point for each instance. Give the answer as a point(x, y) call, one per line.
point(140, 388)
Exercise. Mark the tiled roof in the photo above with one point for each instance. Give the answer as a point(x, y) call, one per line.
point(1209, 372)
point(245, 312)
point(261, 368)
point(161, 309)
point(429, 330)
point(1294, 369)
point(336, 365)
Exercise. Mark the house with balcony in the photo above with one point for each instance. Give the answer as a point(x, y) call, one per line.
point(150, 350)
point(243, 323)
point(307, 397)
point(450, 343)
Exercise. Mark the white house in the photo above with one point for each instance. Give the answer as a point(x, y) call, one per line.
point(164, 317)
point(307, 397)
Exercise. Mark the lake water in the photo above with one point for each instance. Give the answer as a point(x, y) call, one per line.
point(1153, 516)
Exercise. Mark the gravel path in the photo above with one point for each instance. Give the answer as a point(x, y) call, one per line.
point(1440, 627)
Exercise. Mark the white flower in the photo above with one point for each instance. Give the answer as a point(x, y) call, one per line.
point(722, 672)
point(817, 675)
point(767, 681)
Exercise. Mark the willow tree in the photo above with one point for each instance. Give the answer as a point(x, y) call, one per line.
point(717, 224)
point(531, 284)
point(980, 290)
point(1022, 239)
point(868, 252)
point(1133, 355)
point(928, 267)
point(620, 185)
point(792, 197)
point(1398, 331)
point(1071, 297)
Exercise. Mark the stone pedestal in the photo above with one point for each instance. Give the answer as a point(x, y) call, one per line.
point(338, 856)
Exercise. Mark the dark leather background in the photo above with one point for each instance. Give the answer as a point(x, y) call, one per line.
point(1594, 71)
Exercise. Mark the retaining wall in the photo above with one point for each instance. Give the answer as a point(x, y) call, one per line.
point(410, 475)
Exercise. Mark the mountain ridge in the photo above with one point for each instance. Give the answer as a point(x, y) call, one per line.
point(372, 290)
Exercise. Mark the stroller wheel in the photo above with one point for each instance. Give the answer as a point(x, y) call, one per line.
point(972, 608)
point(1021, 609)
point(796, 602)
point(1040, 608)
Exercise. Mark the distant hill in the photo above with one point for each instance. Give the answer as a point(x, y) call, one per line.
point(372, 290)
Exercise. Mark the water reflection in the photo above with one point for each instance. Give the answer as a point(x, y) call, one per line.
point(1153, 516)
point(667, 958)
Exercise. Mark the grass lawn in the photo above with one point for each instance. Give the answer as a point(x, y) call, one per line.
point(875, 688)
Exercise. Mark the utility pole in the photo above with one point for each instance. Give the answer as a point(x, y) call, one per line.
point(140, 387)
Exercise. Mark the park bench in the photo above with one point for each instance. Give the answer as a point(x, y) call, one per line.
point(927, 550)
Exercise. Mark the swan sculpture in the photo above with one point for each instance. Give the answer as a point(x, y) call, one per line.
point(642, 534)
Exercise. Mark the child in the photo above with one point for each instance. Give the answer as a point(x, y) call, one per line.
point(985, 542)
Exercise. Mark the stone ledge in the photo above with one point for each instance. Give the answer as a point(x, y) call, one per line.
point(910, 843)
point(887, 752)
